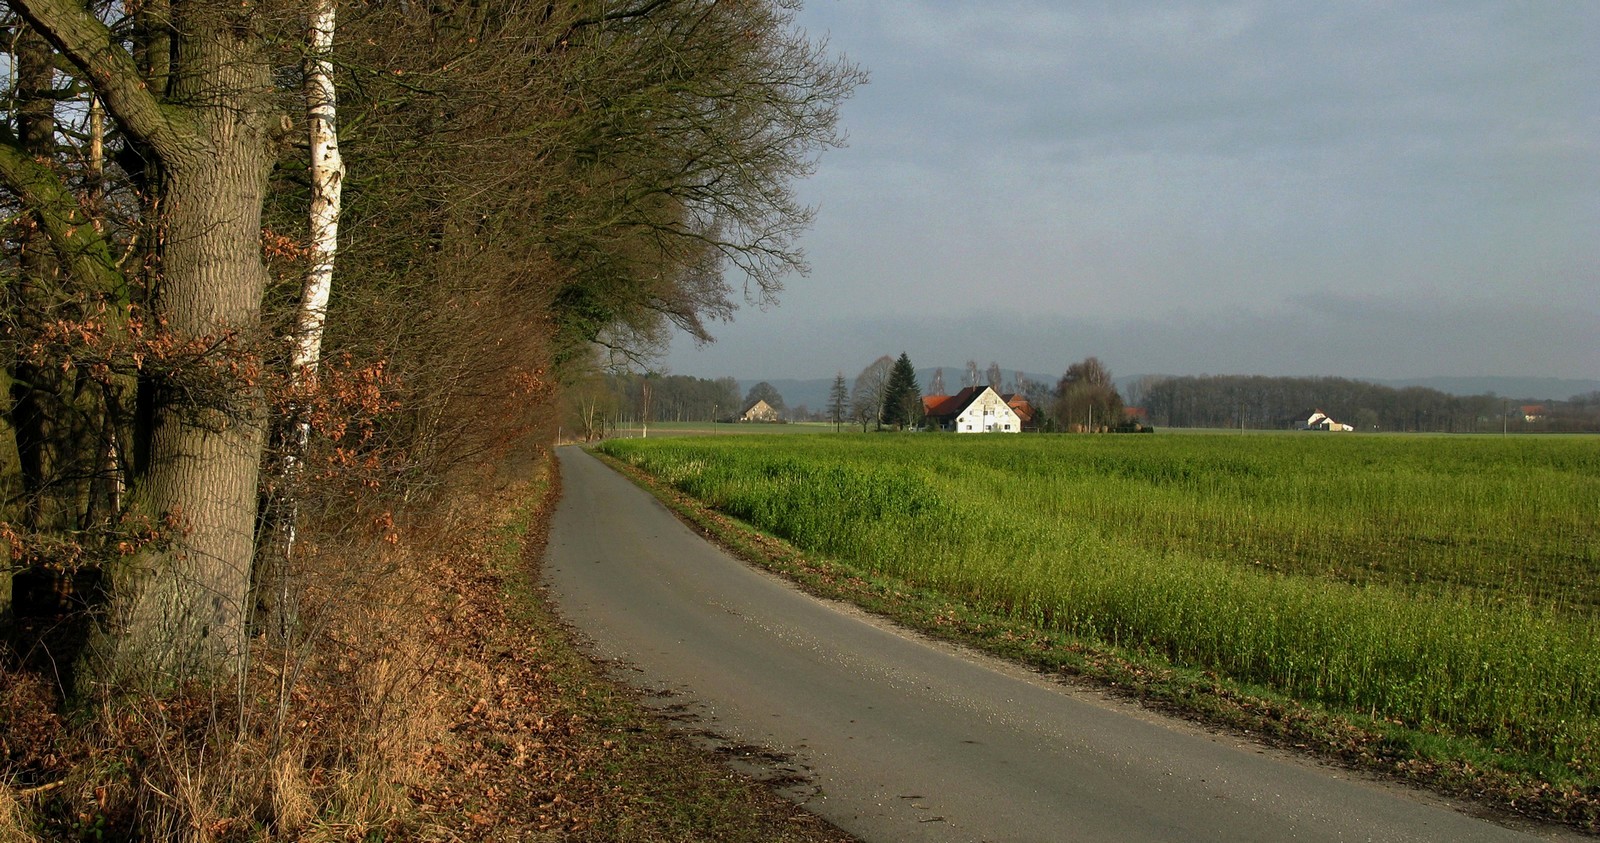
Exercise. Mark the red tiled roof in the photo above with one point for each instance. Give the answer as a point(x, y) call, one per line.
point(1019, 405)
point(949, 406)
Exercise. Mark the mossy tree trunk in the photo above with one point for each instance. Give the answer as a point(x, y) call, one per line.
point(182, 610)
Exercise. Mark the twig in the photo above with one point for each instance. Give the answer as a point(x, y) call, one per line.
point(43, 788)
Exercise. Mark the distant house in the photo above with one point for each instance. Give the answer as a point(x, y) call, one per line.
point(1023, 409)
point(1319, 420)
point(760, 411)
point(976, 409)
point(1533, 412)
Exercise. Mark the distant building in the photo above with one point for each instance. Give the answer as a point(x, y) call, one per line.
point(1023, 409)
point(976, 409)
point(760, 411)
point(1533, 412)
point(1319, 420)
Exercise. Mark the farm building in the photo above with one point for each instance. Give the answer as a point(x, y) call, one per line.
point(760, 411)
point(1319, 420)
point(1023, 409)
point(976, 409)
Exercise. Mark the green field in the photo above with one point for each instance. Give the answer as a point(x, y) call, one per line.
point(1446, 583)
point(706, 428)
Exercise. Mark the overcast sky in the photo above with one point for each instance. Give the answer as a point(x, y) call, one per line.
point(1365, 189)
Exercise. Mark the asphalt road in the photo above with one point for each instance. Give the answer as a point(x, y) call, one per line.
point(902, 739)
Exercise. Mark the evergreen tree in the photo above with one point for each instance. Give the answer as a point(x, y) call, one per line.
point(838, 401)
point(902, 400)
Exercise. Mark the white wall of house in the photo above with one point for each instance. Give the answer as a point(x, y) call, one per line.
point(760, 411)
point(1320, 421)
point(988, 413)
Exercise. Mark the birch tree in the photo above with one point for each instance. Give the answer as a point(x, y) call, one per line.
point(327, 185)
point(867, 397)
point(275, 593)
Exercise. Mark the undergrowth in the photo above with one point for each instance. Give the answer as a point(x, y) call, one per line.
point(433, 697)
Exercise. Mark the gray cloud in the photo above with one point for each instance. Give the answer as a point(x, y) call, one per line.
point(1229, 183)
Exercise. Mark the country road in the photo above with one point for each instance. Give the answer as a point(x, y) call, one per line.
point(902, 739)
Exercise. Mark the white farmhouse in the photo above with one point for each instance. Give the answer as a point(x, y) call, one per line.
point(976, 409)
point(760, 411)
point(1319, 420)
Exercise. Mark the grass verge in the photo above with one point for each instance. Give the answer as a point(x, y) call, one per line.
point(1454, 766)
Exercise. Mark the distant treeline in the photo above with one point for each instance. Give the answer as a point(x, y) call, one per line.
point(607, 400)
point(1258, 402)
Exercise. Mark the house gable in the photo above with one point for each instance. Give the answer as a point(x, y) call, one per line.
point(760, 411)
point(976, 409)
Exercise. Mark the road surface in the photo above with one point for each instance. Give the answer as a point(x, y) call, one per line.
point(901, 739)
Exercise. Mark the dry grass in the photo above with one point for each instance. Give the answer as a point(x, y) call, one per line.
point(14, 821)
point(431, 698)
point(319, 741)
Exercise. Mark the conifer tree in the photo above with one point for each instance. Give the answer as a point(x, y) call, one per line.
point(902, 400)
point(838, 401)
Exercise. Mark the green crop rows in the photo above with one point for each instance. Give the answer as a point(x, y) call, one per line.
point(1448, 583)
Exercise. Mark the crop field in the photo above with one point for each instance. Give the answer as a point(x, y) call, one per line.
point(1447, 583)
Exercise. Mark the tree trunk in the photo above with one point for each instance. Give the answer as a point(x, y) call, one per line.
point(276, 596)
point(184, 611)
point(35, 386)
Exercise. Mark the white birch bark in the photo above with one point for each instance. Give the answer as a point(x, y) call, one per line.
point(327, 179)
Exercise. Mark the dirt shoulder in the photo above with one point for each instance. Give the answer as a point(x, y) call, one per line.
point(544, 747)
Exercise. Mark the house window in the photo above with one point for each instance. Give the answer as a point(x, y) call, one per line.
point(969, 427)
point(1008, 425)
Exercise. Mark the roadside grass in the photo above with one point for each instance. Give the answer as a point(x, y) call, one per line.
point(1179, 567)
point(707, 428)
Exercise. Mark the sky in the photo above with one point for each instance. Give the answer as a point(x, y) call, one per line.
point(1359, 189)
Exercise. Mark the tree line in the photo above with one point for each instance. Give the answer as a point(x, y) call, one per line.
point(606, 401)
point(886, 394)
point(1256, 402)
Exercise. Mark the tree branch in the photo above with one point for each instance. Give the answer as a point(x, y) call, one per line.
point(90, 46)
point(81, 248)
